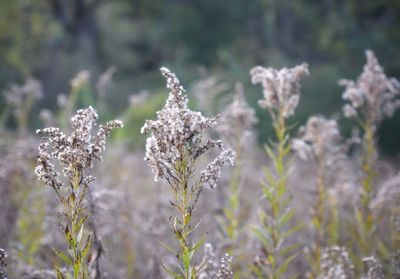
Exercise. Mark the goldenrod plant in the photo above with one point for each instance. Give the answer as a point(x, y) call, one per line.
point(235, 126)
point(281, 89)
point(370, 99)
point(22, 98)
point(177, 141)
point(320, 141)
point(76, 155)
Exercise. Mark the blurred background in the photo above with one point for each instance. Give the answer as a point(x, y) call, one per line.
point(53, 40)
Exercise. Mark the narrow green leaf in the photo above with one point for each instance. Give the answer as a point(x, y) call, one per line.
point(64, 257)
point(286, 217)
point(261, 236)
point(69, 238)
point(282, 269)
point(88, 245)
point(199, 243)
point(59, 274)
point(167, 247)
point(171, 272)
point(292, 230)
point(80, 223)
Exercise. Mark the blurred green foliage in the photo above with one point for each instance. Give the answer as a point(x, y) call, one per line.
point(54, 39)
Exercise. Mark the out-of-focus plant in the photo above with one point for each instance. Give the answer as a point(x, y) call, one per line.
point(21, 99)
point(28, 202)
point(335, 263)
point(207, 90)
point(211, 268)
point(281, 90)
point(176, 142)
point(374, 268)
point(3, 264)
point(370, 99)
point(79, 86)
point(385, 207)
point(321, 142)
point(30, 219)
point(235, 126)
point(103, 85)
point(76, 154)
point(141, 107)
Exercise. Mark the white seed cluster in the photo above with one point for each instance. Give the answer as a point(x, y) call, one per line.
point(373, 93)
point(319, 138)
point(281, 88)
point(76, 152)
point(336, 264)
point(179, 134)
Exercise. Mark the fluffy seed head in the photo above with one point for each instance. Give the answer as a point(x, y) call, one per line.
point(319, 138)
point(237, 120)
point(281, 88)
point(75, 152)
point(373, 94)
point(178, 133)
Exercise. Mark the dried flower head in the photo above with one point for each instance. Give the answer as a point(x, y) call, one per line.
point(373, 268)
point(178, 134)
point(387, 196)
point(76, 152)
point(30, 89)
point(47, 117)
point(211, 175)
point(3, 264)
point(395, 263)
point(3, 258)
point(319, 138)
point(80, 79)
point(21, 100)
point(238, 118)
point(206, 91)
point(209, 266)
point(105, 81)
point(373, 94)
point(281, 88)
point(336, 264)
point(225, 271)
